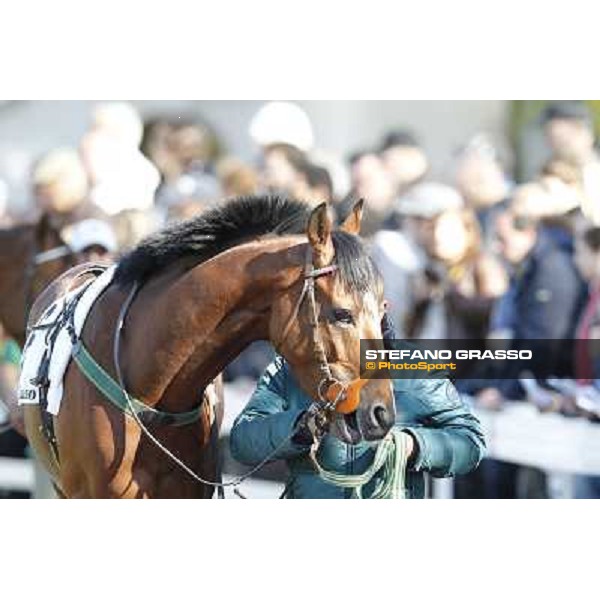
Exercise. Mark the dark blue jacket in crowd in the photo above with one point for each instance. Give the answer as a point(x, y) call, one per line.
point(546, 290)
point(543, 302)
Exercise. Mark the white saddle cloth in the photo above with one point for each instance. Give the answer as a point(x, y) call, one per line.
point(61, 352)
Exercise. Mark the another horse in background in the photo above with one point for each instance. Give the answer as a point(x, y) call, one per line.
point(31, 256)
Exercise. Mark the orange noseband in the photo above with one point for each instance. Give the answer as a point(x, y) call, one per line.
point(345, 397)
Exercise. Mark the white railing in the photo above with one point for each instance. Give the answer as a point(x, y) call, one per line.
point(519, 433)
point(17, 474)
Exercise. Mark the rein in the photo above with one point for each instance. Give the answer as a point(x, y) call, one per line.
point(336, 396)
point(52, 254)
point(220, 485)
point(310, 273)
point(38, 259)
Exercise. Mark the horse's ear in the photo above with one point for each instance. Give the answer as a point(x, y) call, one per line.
point(43, 226)
point(352, 222)
point(319, 235)
point(46, 230)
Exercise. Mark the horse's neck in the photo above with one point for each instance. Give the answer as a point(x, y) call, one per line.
point(19, 282)
point(206, 318)
point(14, 250)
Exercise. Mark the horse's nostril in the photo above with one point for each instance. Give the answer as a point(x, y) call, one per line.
point(381, 416)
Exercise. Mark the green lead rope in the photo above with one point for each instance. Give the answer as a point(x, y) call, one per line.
point(391, 458)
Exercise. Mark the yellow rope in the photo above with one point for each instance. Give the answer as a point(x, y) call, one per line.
point(391, 458)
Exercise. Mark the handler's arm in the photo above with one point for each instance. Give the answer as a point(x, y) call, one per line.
point(449, 437)
point(262, 428)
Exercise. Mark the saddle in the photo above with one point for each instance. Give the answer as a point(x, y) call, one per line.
point(49, 317)
point(62, 285)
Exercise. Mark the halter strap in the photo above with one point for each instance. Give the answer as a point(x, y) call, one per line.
point(52, 254)
point(322, 271)
point(310, 274)
point(40, 258)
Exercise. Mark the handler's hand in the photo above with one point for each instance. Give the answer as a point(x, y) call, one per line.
point(309, 426)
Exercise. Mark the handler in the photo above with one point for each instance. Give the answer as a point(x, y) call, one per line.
point(444, 437)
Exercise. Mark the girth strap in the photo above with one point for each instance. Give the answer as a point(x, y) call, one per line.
point(112, 391)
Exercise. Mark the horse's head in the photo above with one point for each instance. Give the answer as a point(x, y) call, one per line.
point(32, 256)
point(321, 320)
point(48, 257)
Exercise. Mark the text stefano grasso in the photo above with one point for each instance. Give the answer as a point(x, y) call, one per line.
point(419, 354)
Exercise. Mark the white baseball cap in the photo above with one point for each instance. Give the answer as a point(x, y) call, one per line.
point(91, 232)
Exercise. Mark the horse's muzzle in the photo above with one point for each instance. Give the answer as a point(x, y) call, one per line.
point(376, 420)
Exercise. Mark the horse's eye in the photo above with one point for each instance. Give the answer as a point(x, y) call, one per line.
point(342, 315)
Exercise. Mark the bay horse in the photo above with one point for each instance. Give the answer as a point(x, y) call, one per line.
point(207, 288)
point(31, 256)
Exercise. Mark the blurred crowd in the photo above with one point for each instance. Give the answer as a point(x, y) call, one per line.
point(475, 256)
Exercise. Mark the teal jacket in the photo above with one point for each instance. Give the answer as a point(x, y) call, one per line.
point(448, 436)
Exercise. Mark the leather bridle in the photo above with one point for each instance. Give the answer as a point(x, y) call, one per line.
point(38, 259)
point(334, 395)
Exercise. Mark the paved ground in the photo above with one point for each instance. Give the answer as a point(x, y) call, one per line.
point(268, 483)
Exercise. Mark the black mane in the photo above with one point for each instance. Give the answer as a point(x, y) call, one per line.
point(228, 224)
point(232, 223)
